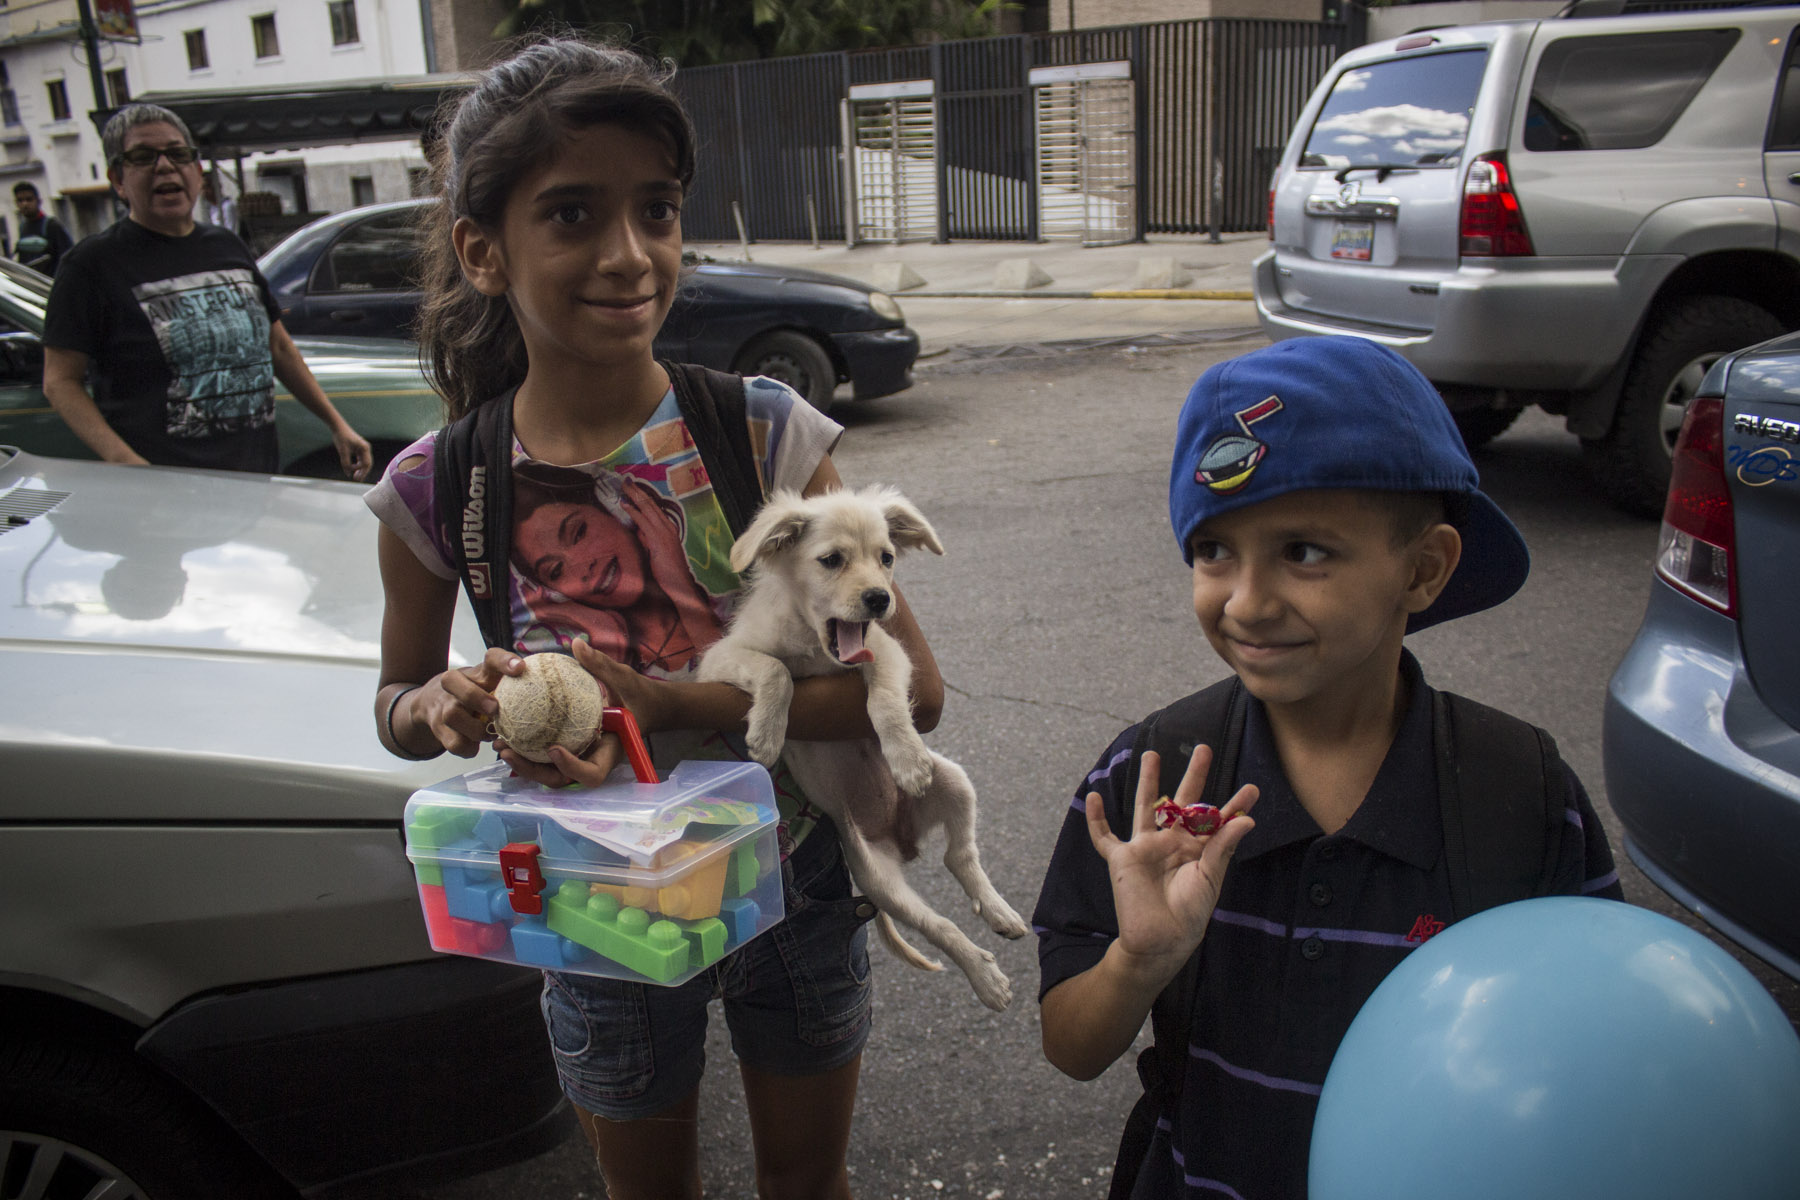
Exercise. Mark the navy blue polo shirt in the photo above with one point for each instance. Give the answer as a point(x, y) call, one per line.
point(1306, 926)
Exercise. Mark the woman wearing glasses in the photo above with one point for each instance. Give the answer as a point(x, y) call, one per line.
point(181, 333)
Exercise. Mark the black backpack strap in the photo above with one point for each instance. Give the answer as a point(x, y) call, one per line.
point(1500, 791)
point(1215, 717)
point(472, 486)
point(712, 404)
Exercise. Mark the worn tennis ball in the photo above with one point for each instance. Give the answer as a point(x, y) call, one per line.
point(554, 703)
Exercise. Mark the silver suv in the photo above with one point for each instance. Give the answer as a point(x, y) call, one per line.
point(1581, 214)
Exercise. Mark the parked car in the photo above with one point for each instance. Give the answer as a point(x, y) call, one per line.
point(374, 382)
point(357, 272)
point(1579, 214)
point(1702, 730)
point(215, 982)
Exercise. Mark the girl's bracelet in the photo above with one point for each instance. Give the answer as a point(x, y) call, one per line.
point(387, 722)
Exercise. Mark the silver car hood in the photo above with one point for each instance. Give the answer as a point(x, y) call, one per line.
point(192, 646)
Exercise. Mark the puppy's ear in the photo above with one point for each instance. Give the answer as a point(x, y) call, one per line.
point(906, 524)
point(779, 524)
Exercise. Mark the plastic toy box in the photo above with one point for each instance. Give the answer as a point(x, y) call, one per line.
point(650, 881)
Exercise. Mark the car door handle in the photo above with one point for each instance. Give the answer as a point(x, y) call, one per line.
point(347, 315)
point(1794, 178)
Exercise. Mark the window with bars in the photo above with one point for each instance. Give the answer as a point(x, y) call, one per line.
point(343, 22)
point(196, 50)
point(262, 32)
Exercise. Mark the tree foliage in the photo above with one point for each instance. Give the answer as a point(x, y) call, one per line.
point(697, 33)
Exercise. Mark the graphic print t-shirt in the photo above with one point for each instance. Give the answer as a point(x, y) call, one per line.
point(176, 331)
point(631, 552)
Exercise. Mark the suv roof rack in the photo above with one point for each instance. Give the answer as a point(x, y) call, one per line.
point(1637, 8)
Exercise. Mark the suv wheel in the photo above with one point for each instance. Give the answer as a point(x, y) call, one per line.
point(1632, 460)
point(794, 359)
point(80, 1117)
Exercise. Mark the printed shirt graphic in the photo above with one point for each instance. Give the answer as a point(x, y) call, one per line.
point(631, 552)
point(214, 333)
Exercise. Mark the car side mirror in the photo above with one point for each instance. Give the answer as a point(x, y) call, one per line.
point(21, 358)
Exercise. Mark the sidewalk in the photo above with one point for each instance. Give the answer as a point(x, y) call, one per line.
point(995, 294)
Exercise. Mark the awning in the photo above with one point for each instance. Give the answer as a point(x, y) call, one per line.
point(229, 121)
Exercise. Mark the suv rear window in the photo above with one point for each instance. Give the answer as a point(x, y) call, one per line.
point(1620, 91)
point(1405, 112)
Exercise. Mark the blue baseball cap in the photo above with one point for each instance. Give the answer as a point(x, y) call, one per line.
point(1338, 412)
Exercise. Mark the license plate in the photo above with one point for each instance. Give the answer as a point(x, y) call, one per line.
point(1353, 240)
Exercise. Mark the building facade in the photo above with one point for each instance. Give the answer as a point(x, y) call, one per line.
point(47, 93)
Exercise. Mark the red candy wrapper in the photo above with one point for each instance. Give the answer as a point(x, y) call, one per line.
point(1197, 819)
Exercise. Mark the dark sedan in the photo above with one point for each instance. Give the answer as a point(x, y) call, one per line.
point(355, 272)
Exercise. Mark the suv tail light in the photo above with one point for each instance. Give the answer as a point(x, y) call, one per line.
point(1492, 225)
point(1271, 214)
point(1698, 533)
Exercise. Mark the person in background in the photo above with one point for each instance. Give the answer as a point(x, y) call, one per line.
point(173, 324)
point(42, 239)
point(216, 208)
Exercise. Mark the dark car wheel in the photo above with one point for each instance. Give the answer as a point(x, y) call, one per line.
point(81, 1118)
point(1632, 461)
point(793, 359)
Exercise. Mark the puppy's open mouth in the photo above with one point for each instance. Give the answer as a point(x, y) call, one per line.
point(845, 640)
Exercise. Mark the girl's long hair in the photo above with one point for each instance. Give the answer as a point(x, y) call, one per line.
point(490, 139)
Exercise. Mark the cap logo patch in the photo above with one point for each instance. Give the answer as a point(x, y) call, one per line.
point(1228, 463)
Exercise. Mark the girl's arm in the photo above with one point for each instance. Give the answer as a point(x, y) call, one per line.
point(421, 707)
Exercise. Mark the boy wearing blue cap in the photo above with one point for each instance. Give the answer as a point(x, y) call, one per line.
point(1328, 507)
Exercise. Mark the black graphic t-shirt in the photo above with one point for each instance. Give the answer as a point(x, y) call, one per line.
point(176, 330)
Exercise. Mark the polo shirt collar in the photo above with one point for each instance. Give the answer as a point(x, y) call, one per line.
point(1399, 816)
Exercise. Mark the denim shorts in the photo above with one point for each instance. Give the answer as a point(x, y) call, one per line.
point(796, 1001)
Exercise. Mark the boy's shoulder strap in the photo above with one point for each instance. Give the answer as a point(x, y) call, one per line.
point(712, 403)
point(472, 486)
point(1213, 716)
point(1501, 794)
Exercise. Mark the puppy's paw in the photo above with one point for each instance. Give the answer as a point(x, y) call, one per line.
point(766, 736)
point(911, 767)
point(1001, 918)
point(991, 985)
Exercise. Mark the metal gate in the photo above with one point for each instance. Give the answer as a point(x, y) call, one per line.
point(890, 142)
point(1086, 160)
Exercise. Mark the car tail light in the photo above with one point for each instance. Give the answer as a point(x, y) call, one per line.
point(1271, 214)
point(1492, 224)
point(1698, 533)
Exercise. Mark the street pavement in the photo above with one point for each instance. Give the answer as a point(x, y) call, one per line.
point(974, 294)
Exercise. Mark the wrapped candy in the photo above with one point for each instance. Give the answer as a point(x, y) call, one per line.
point(1197, 819)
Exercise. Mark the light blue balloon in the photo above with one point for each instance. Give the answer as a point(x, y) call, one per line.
point(1563, 1049)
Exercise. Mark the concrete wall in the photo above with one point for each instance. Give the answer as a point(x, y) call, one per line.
point(1092, 14)
point(1394, 21)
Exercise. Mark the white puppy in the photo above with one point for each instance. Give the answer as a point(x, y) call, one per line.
point(822, 583)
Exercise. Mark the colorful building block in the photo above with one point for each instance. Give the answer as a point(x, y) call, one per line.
point(476, 895)
point(536, 945)
point(656, 950)
point(706, 939)
point(742, 917)
point(452, 934)
point(694, 898)
point(745, 868)
point(561, 845)
point(434, 826)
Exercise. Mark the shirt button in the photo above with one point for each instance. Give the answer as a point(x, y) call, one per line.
point(1319, 894)
point(1329, 852)
point(1312, 949)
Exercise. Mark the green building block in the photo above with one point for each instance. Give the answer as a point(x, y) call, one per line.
point(428, 873)
point(745, 869)
point(654, 949)
point(434, 826)
point(707, 938)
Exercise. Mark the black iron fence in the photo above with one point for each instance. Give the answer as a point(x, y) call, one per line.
point(1215, 100)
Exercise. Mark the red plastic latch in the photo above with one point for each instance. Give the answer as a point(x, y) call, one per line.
point(519, 867)
point(621, 722)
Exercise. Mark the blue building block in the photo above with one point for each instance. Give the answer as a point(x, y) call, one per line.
point(496, 829)
point(559, 844)
point(476, 895)
point(535, 945)
point(742, 918)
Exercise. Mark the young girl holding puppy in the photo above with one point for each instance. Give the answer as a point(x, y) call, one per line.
point(552, 257)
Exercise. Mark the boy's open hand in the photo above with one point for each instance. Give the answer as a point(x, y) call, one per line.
point(1166, 881)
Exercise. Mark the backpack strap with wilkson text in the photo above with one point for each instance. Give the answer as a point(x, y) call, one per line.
point(472, 482)
point(1500, 797)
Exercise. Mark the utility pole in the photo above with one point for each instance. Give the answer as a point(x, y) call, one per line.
point(90, 38)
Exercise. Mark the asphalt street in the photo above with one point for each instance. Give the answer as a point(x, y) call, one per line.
point(1059, 614)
